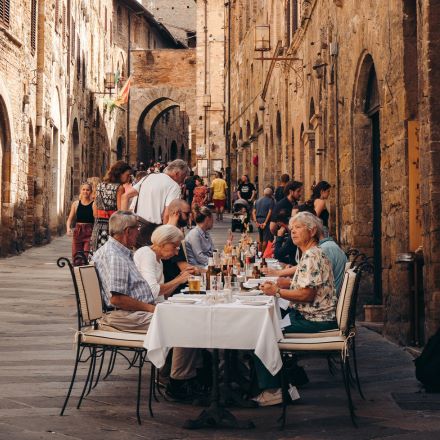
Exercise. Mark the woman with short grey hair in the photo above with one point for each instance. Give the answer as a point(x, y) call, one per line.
point(312, 296)
point(166, 241)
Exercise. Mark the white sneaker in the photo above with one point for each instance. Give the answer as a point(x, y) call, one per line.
point(269, 397)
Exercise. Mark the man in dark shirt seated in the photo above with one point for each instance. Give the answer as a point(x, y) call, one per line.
point(285, 250)
point(292, 194)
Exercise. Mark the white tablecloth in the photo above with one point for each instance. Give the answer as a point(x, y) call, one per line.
point(228, 326)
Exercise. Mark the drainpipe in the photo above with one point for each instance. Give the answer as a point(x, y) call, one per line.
point(228, 121)
point(205, 125)
point(338, 178)
point(129, 73)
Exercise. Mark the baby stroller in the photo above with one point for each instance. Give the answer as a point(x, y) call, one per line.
point(241, 216)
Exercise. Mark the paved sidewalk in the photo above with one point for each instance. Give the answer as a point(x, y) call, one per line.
point(37, 321)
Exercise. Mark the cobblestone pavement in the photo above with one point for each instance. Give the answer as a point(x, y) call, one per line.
point(37, 321)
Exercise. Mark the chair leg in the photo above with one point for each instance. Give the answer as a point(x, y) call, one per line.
point(331, 364)
point(154, 382)
point(138, 403)
point(111, 363)
point(346, 380)
point(100, 368)
point(93, 372)
point(152, 387)
point(285, 394)
point(87, 379)
point(158, 384)
point(75, 368)
point(358, 382)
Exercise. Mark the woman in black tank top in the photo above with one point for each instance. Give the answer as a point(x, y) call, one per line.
point(320, 193)
point(82, 213)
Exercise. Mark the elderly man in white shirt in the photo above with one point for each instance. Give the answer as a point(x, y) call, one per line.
point(156, 191)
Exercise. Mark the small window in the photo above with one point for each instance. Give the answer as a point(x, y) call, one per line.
point(5, 12)
point(33, 25)
point(57, 15)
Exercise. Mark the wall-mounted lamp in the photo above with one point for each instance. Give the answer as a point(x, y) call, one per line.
point(262, 38)
point(109, 81)
point(206, 101)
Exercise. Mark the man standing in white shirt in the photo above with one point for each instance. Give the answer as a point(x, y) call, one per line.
point(156, 191)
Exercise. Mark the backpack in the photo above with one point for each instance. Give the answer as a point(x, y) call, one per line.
point(428, 365)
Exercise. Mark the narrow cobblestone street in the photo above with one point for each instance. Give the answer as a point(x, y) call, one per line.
point(38, 319)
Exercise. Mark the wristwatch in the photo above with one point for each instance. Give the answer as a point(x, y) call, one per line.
point(277, 293)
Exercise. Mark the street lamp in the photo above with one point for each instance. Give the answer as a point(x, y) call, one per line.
point(262, 38)
point(109, 81)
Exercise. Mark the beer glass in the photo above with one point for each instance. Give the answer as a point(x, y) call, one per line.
point(194, 282)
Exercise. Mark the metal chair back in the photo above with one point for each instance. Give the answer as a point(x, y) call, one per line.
point(345, 301)
point(89, 293)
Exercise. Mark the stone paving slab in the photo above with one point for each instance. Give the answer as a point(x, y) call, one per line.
point(37, 318)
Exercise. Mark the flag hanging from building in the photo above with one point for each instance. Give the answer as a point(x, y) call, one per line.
point(123, 94)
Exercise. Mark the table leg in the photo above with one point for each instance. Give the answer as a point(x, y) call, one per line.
point(228, 395)
point(216, 416)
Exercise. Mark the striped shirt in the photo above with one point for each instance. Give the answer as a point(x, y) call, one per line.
point(118, 273)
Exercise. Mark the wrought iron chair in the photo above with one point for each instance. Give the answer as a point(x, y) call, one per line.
point(340, 341)
point(93, 343)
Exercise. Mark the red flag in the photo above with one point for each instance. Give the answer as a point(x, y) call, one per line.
point(123, 94)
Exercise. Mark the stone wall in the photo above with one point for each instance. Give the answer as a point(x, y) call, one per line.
point(57, 122)
point(350, 82)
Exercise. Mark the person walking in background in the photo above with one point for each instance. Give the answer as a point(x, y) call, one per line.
point(82, 213)
point(93, 181)
point(156, 191)
point(218, 188)
point(200, 193)
point(246, 190)
point(261, 215)
point(279, 192)
point(108, 200)
point(190, 184)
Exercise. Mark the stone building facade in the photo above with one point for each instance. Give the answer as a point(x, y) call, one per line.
point(345, 92)
point(57, 125)
point(210, 100)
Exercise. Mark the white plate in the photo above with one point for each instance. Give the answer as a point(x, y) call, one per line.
point(272, 279)
point(249, 302)
point(181, 300)
point(249, 285)
point(254, 292)
point(271, 260)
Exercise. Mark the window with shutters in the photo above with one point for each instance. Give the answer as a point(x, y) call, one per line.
point(72, 39)
point(64, 24)
point(78, 61)
point(57, 16)
point(5, 8)
point(33, 25)
point(295, 16)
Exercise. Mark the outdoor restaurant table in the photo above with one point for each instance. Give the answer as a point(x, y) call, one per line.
point(220, 326)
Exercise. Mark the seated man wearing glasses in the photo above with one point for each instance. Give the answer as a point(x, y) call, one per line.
point(124, 287)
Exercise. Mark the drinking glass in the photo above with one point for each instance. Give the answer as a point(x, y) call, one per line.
point(227, 294)
point(194, 282)
point(228, 279)
point(235, 287)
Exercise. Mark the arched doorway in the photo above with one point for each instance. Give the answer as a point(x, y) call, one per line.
point(367, 171)
point(182, 152)
point(120, 146)
point(173, 150)
point(5, 176)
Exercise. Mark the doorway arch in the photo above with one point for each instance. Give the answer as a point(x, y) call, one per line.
point(120, 147)
point(173, 151)
point(367, 168)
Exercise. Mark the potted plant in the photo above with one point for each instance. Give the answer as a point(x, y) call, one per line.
point(373, 311)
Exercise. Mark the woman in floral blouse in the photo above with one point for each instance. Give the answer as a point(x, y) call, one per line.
point(312, 295)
